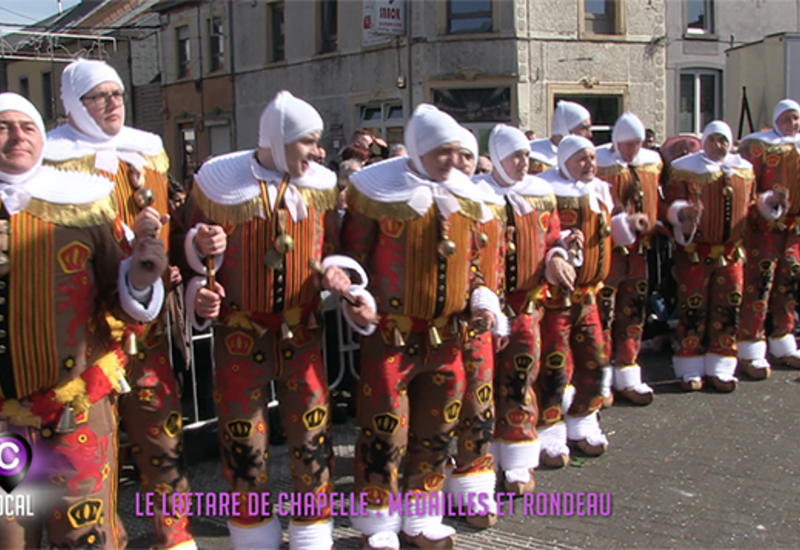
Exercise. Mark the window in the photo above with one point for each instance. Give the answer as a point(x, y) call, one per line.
point(216, 41)
point(600, 17)
point(219, 136)
point(24, 87)
point(277, 35)
point(469, 16)
point(475, 104)
point(47, 96)
point(699, 100)
point(699, 17)
point(604, 108)
point(184, 51)
point(327, 26)
point(384, 120)
point(188, 150)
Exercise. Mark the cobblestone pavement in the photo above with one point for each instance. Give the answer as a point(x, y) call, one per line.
point(703, 470)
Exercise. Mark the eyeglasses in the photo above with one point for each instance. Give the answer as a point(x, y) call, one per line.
point(585, 127)
point(102, 99)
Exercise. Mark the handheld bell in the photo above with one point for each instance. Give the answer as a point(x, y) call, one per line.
point(143, 197)
point(397, 337)
point(124, 387)
point(447, 248)
point(66, 424)
point(286, 332)
point(284, 243)
point(130, 347)
point(434, 337)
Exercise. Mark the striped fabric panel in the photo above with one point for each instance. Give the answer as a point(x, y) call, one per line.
point(307, 244)
point(490, 256)
point(528, 236)
point(254, 241)
point(714, 225)
point(597, 251)
point(790, 178)
point(32, 305)
point(457, 279)
point(422, 239)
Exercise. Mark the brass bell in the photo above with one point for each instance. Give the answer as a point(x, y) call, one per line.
point(312, 323)
point(722, 261)
point(694, 258)
point(397, 337)
point(284, 243)
point(512, 248)
point(5, 265)
point(447, 248)
point(530, 307)
point(509, 311)
point(286, 332)
point(124, 387)
point(434, 337)
point(606, 231)
point(144, 197)
point(483, 239)
point(797, 229)
point(727, 191)
point(130, 347)
point(66, 424)
point(640, 194)
point(567, 300)
point(624, 250)
point(273, 260)
point(781, 226)
point(739, 253)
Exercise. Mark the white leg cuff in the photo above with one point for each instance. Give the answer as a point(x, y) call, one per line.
point(377, 522)
point(783, 346)
point(630, 377)
point(553, 440)
point(605, 384)
point(566, 399)
point(721, 366)
point(520, 456)
point(384, 539)
point(482, 486)
point(586, 427)
point(426, 524)
point(266, 536)
point(752, 350)
point(689, 368)
point(311, 537)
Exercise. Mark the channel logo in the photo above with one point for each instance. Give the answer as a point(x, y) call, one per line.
point(15, 459)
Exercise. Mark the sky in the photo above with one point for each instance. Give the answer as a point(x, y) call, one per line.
point(26, 12)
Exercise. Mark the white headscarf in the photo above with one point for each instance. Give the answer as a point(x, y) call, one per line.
point(504, 141)
point(573, 114)
point(558, 125)
point(627, 128)
point(14, 102)
point(428, 129)
point(84, 136)
point(783, 106)
point(568, 147)
point(469, 142)
point(718, 127)
point(285, 120)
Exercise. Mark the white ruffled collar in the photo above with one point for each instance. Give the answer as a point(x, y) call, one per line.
point(544, 150)
point(597, 190)
point(699, 163)
point(772, 137)
point(129, 145)
point(55, 186)
point(607, 155)
point(393, 181)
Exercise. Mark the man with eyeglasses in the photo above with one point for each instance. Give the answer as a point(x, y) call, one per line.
point(96, 140)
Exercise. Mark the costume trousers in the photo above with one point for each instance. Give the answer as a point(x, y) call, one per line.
point(72, 484)
point(709, 301)
point(771, 283)
point(393, 379)
point(577, 329)
point(246, 363)
point(151, 416)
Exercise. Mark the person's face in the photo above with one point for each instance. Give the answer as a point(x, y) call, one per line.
point(650, 141)
point(716, 147)
point(584, 129)
point(629, 149)
point(582, 165)
point(516, 164)
point(466, 162)
point(484, 165)
point(788, 123)
point(300, 153)
point(21, 143)
point(106, 105)
point(437, 163)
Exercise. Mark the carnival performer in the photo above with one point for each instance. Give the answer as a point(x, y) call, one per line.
point(571, 321)
point(709, 194)
point(569, 118)
point(97, 141)
point(411, 221)
point(62, 263)
point(634, 174)
point(772, 245)
point(278, 209)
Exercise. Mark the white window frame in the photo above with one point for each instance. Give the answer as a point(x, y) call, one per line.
point(710, 28)
point(384, 123)
point(697, 73)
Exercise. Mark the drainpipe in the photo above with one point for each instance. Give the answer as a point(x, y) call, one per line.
point(233, 78)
